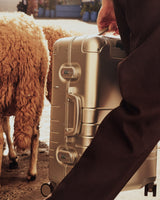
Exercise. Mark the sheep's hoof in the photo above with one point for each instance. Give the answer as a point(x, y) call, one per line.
point(31, 177)
point(13, 164)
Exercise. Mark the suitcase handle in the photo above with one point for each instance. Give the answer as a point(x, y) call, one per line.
point(76, 115)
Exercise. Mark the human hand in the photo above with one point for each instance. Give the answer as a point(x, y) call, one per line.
point(106, 17)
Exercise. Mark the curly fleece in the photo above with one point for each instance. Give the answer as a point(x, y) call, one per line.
point(24, 62)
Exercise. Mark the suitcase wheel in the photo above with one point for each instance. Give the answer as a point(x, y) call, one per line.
point(47, 188)
point(151, 187)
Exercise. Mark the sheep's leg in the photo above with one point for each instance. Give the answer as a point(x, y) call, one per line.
point(34, 155)
point(1, 144)
point(12, 153)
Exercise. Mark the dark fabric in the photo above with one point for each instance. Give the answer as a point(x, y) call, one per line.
point(128, 134)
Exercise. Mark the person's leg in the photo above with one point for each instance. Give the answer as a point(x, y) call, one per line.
point(129, 133)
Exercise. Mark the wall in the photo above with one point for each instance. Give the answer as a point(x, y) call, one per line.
point(9, 5)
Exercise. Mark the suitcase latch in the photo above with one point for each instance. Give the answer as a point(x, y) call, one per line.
point(66, 155)
point(70, 72)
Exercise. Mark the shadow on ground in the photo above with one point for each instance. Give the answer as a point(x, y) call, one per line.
point(14, 185)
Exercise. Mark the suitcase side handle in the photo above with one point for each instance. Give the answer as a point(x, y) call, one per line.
point(73, 103)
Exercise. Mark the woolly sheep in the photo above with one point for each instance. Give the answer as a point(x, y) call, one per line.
point(24, 62)
point(52, 33)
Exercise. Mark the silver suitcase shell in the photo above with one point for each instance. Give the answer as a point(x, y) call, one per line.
point(84, 67)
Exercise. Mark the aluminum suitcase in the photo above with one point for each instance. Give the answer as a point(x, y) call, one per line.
point(84, 67)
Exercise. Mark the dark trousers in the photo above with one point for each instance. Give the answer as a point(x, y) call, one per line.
point(129, 133)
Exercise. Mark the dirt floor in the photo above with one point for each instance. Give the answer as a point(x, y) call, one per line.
point(14, 185)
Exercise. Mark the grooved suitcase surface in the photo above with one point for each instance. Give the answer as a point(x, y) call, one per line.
point(84, 90)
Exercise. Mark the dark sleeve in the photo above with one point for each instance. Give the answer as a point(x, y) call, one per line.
point(122, 25)
point(139, 72)
point(137, 20)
